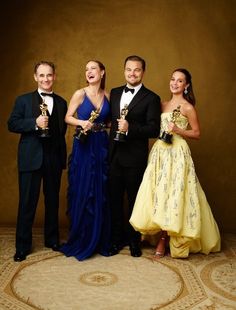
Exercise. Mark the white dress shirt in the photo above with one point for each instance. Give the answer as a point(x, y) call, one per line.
point(126, 98)
point(47, 99)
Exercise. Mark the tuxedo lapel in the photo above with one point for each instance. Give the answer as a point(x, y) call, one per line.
point(35, 104)
point(56, 104)
point(60, 111)
point(137, 98)
point(116, 105)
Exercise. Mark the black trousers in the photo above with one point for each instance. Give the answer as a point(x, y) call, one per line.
point(29, 190)
point(123, 182)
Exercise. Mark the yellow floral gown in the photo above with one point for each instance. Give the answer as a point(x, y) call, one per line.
point(170, 198)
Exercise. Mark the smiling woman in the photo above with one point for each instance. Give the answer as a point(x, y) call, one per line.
point(87, 175)
point(170, 199)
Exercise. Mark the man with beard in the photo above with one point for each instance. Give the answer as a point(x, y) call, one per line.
point(135, 113)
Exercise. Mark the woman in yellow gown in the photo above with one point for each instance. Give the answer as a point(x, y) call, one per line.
point(170, 199)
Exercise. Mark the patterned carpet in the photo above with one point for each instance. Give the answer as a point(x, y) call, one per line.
point(49, 281)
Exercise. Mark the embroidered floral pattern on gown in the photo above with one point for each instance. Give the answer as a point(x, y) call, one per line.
point(87, 190)
point(170, 198)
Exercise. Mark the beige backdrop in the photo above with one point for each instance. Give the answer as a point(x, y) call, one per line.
point(198, 35)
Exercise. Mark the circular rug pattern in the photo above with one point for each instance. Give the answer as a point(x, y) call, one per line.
point(97, 283)
point(98, 278)
point(221, 277)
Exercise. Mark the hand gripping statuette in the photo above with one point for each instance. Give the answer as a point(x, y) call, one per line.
point(166, 136)
point(80, 133)
point(121, 135)
point(44, 132)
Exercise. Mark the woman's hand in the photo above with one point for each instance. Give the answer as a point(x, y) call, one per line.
point(172, 127)
point(87, 125)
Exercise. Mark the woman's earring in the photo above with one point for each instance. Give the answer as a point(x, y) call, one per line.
point(185, 91)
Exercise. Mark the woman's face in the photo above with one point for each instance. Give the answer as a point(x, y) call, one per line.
point(178, 83)
point(93, 72)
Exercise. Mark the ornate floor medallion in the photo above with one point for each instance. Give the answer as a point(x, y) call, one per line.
point(98, 278)
point(120, 281)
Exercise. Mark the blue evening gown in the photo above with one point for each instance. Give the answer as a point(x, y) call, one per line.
point(87, 192)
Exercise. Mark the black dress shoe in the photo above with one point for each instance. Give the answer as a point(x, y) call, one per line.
point(20, 256)
point(135, 251)
point(114, 249)
point(55, 247)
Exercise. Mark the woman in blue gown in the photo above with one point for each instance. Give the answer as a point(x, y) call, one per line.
point(87, 169)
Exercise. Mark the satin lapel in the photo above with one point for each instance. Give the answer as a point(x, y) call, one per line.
point(117, 102)
point(36, 101)
point(137, 98)
point(60, 112)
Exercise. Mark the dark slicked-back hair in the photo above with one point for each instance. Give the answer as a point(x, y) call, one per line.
point(136, 58)
point(190, 95)
point(102, 67)
point(44, 62)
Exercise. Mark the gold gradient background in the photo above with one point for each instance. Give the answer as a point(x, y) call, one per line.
point(196, 34)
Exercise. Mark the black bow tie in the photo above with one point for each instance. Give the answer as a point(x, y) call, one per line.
point(47, 94)
point(129, 89)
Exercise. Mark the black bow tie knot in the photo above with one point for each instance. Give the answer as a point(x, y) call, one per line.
point(47, 94)
point(129, 89)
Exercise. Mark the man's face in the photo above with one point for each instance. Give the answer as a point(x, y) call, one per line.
point(45, 77)
point(133, 72)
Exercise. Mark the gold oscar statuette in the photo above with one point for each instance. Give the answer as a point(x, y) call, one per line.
point(166, 136)
point(121, 135)
point(82, 135)
point(44, 132)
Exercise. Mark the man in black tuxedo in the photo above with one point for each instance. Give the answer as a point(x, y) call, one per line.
point(128, 157)
point(41, 156)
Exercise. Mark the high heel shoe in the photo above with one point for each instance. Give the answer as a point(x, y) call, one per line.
point(160, 253)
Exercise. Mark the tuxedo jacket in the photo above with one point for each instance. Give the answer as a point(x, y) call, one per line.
point(144, 122)
point(23, 121)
